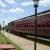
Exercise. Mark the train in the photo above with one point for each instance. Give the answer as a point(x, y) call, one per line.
point(26, 26)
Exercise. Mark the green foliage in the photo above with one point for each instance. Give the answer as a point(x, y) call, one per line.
point(5, 27)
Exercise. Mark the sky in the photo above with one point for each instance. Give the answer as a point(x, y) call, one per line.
point(11, 10)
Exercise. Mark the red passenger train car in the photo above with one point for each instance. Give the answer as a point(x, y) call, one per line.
point(27, 25)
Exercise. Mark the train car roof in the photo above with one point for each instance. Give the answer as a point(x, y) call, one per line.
point(32, 15)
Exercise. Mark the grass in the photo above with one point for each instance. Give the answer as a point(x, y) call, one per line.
point(4, 40)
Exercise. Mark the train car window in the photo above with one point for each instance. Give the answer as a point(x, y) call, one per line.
point(39, 25)
point(29, 25)
point(43, 21)
point(32, 25)
point(17, 26)
point(24, 25)
point(48, 23)
point(48, 20)
point(43, 25)
point(39, 21)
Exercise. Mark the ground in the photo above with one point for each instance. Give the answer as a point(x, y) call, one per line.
point(4, 40)
point(24, 43)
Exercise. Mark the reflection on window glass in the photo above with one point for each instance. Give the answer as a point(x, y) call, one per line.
point(43, 21)
point(39, 21)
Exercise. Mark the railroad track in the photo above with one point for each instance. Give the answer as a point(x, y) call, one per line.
point(40, 40)
point(45, 39)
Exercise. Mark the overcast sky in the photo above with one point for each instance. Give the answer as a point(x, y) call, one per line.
point(16, 9)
